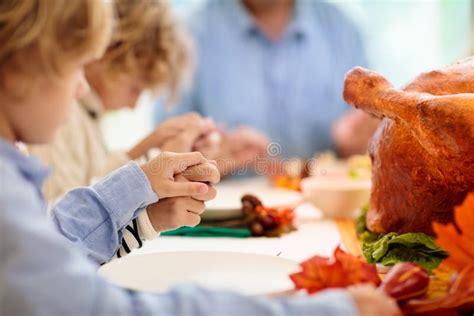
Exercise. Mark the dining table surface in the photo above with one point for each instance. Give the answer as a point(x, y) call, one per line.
point(315, 235)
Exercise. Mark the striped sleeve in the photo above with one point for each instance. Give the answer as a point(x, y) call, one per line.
point(135, 233)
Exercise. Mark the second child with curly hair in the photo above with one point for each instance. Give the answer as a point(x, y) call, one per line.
point(148, 51)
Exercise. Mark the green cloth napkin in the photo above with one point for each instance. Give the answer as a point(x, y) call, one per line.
point(204, 231)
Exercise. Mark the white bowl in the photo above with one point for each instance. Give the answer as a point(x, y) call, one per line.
point(336, 197)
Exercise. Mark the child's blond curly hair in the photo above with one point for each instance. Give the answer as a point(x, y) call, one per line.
point(148, 40)
point(53, 33)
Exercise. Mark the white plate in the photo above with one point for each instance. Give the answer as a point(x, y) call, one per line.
point(227, 203)
point(249, 274)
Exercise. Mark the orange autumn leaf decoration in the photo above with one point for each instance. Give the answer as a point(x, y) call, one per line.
point(342, 270)
point(452, 287)
point(459, 243)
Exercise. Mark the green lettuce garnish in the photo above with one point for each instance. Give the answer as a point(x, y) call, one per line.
point(392, 248)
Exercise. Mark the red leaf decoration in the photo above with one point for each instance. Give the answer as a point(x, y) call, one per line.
point(342, 270)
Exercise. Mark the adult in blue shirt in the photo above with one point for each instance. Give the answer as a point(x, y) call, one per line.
point(278, 66)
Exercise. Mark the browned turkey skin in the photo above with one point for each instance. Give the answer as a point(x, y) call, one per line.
point(423, 151)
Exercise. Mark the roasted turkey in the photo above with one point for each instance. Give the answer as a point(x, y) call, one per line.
point(423, 151)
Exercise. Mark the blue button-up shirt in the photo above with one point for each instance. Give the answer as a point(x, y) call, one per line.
point(290, 89)
point(49, 267)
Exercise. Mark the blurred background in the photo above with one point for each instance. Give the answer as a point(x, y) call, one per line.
point(402, 38)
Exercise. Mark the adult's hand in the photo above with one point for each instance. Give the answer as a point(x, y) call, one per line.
point(241, 149)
